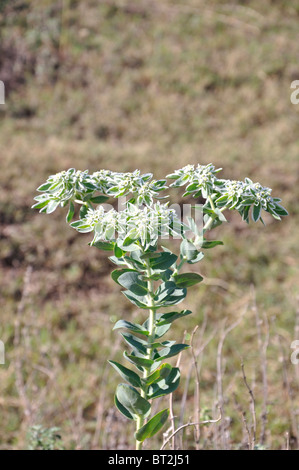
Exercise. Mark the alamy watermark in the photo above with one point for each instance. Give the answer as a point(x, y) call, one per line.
point(295, 94)
point(2, 93)
point(2, 353)
point(295, 354)
point(148, 224)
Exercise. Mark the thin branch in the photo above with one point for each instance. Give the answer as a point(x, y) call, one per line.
point(289, 392)
point(198, 354)
point(253, 412)
point(296, 366)
point(172, 417)
point(287, 441)
point(196, 392)
point(244, 420)
point(210, 421)
point(263, 347)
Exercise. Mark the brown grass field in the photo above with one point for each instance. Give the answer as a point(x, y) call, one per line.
point(153, 85)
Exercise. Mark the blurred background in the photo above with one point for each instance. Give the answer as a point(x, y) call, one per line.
point(154, 85)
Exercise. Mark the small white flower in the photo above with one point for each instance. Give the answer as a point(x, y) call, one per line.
point(93, 217)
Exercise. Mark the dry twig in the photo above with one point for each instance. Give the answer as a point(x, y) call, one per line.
point(209, 421)
point(252, 406)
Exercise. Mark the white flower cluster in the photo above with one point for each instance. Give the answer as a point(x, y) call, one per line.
point(147, 224)
point(62, 187)
point(262, 195)
point(103, 180)
point(133, 224)
point(93, 217)
point(200, 179)
point(72, 184)
point(142, 188)
point(65, 183)
point(103, 223)
point(240, 195)
point(235, 188)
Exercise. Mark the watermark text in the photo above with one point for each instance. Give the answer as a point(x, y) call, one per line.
point(295, 354)
point(2, 93)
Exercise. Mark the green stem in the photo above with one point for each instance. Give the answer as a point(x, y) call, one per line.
point(211, 219)
point(179, 266)
point(211, 202)
point(151, 339)
point(139, 424)
point(84, 203)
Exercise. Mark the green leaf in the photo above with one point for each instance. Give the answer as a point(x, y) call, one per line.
point(118, 272)
point(44, 187)
point(117, 261)
point(154, 277)
point(167, 318)
point(106, 246)
point(245, 213)
point(220, 215)
point(153, 426)
point(206, 210)
point(221, 201)
point(127, 374)
point(256, 212)
point(131, 326)
point(161, 330)
point(247, 201)
point(40, 205)
point(163, 262)
point(171, 351)
point(150, 255)
point(132, 281)
point(118, 252)
point(53, 204)
point(132, 401)
point(187, 279)
point(134, 262)
point(210, 244)
point(83, 212)
point(166, 275)
point(166, 385)
point(99, 199)
point(169, 294)
point(137, 344)
point(70, 213)
point(262, 220)
point(136, 300)
point(81, 227)
point(272, 212)
point(129, 241)
point(76, 224)
point(281, 210)
point(188, 250)
point(89, 186)
point(161, 373)
point(122, 409)
point(141, 361)
point(198, 258)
